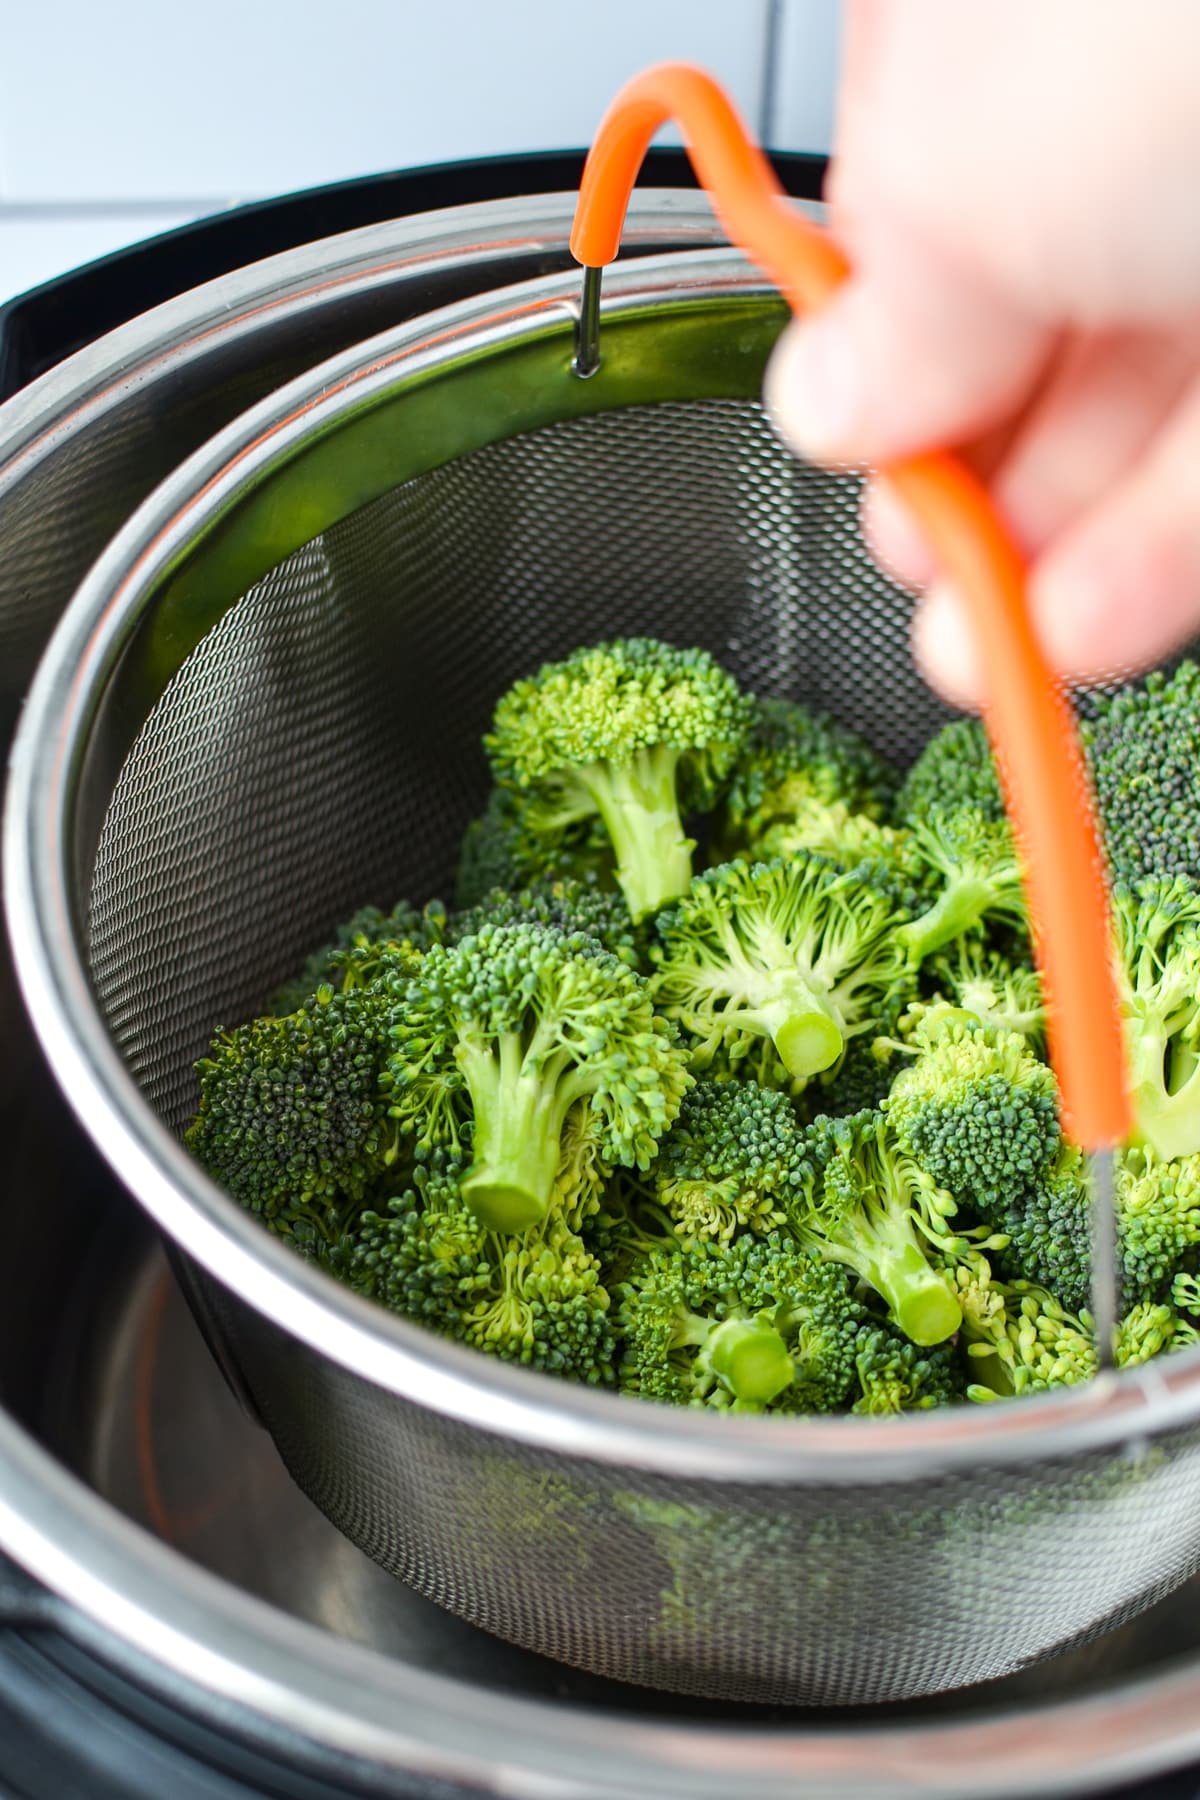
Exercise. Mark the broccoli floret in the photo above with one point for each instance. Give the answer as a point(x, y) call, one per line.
point(992, 987)
point(1019, 1338)
point(1149, 1329)
point(797, 955)
point(1158, 936)
point(859, 1199)
point(956, 771)
point(976, 1108)
point(1158, 1220)
point(726, 1160)
point(1046, 1220)
point(794, 766)
point(291, 1119)
point(1143, 750)
point(895, 1376)
point(845, 837)
point(632, 731)
point(348, 959)
point(567, 903)
point(748, 1326)
point(533, 1297)
point(971, 863)
point(627, 1225)
point(500, 849)
point(502, 1035)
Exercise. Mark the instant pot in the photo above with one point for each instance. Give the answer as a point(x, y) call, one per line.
point(175, 1618)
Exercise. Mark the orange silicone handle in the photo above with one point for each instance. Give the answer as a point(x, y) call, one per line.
point(1028, 716)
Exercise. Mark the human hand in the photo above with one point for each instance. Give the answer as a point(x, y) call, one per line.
point(1015, 187)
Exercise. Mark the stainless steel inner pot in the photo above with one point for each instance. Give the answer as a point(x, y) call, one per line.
point(262, 708)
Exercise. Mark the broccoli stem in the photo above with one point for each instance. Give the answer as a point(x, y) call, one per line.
point(960, 906)
point(640, 809)
point(918, 1297)
point(1168, 1122)
point(750, 1358)
point(799, 1023)
point(517, 1146)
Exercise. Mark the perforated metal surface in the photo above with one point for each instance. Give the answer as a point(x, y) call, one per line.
point(320, 748)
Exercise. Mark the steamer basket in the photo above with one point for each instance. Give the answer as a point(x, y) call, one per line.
point(263, 708)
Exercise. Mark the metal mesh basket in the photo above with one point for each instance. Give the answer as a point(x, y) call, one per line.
point(264, 708)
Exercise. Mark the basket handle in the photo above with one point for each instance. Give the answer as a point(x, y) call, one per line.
point(1027, 715)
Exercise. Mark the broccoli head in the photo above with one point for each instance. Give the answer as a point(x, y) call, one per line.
point(724, 1163)
point(956, 771)
point(795, 765)
point(1158, 1220)
point(895, 1376)
point(1143, 750)
point(995, 989)
point(1046, 1221)
point(749, 1326)
point(567, 903)
point(975, 1108)
point(291, 1119)
point(500, 849)
point(502, 1035)
point(859, 1199)
point(791, 958)
point(533, 1297)
point(1019, 1338)
point(633, 732)
point(1157, 926)
point(971, 864)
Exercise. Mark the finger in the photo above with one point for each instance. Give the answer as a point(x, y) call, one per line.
point(1095, 413)
point(944, 648)
point(1120, 589)
point(913, 353)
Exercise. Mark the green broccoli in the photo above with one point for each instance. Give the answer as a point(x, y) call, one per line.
point(631, 731)
point(995, 989)
point(1149, 1329)
point(1046, 1222)
point(1158, 1220)
point(797, 955)
point(724, 1163)
point(895, 1376)
point(346, 960)
point(566, 903)
point(973, 865)
point(955, 772)
point(502, 1034)
point(533, 1297)
point(976, 1108)
point(748, 1326)
point(795, 766)
point(1019, 1338)
point(1157, 925)
point(291, 1118)
point(1143, 750)
point(860, 1200)
point(627, 1225)
point(500, 849)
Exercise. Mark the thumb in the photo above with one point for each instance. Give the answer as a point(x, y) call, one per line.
point(916, 352)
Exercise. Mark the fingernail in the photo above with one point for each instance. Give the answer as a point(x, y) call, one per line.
point(944, 646)
point(812, 388)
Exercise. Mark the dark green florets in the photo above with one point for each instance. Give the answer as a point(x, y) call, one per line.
point(634, 732)
point(976, 1109)
point(750, 1326)
point(291, 1115)
point(895, 1376)
point(534, 1298)
point(1046, 1219)
point(955, 771)
point(795, 766)
point(567, 904)
point(771, 968)
point(727, 1159)
point(1143, 750)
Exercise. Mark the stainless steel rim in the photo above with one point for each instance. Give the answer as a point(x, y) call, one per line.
point(382, 1349)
